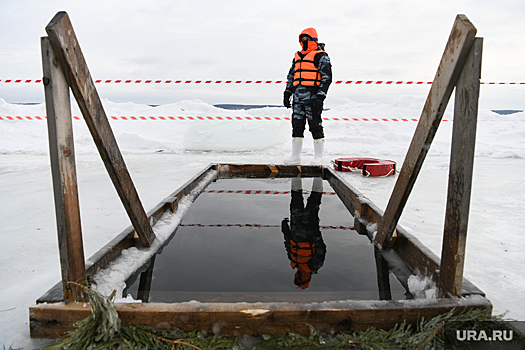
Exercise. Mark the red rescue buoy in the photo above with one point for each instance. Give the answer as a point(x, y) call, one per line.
point(368, 166)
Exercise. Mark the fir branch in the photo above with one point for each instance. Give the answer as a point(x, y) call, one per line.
point(433, 334)
point(176, 342)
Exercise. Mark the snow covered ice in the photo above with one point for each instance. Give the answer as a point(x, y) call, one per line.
point(161, 155)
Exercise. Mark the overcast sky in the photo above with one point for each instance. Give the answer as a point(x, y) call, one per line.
point(256, 40)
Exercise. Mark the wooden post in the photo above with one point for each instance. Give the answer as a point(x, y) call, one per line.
point(460, 174)
point(456, 51)
point(63, 168)
point(71, 59)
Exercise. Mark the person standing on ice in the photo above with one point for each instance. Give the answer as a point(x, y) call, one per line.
point(308, 82)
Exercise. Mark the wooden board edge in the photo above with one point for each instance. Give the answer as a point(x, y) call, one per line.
point(268, 170)
point(354, 200)
point(53, 320)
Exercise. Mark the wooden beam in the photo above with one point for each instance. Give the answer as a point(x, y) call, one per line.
point(268, 170)
point(71, 59)
point(357, 204)
point(235, 319)
point(63, 169)
point(456, 51)
point(460, 173)
point(415, 255)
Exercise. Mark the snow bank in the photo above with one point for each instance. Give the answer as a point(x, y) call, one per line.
point(235, 135)
point(499, 136)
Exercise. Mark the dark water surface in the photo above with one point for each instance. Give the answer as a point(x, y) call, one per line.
point(233, 246)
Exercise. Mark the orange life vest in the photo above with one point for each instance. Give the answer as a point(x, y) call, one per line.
point(301, 254)
point(306, 74)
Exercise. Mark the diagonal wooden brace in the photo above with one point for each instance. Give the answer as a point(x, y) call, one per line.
point(71, 60)
point(456, 51)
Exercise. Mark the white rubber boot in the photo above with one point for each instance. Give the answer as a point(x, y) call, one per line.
point(297, 184)
point(318, 152)
point(297, 147)
point(317, 185)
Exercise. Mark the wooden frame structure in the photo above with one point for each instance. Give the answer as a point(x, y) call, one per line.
point(55, 313)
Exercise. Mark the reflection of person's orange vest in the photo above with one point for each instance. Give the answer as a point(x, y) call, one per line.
point(301, 254)
point(306, 74)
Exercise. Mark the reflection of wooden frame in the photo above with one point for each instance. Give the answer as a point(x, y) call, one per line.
point(54, 314)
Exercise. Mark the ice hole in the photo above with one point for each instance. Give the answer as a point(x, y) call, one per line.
point(266, 240)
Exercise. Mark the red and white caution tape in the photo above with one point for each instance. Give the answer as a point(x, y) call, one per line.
point(19, 81)
point(223, 118)
point(263, 226)
point(259, 192)
point(179, 117)
point(190, 81)
point(8, 117)
point(338, 82)
point(382, 82)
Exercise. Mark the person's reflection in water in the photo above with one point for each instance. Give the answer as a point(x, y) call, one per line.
point(302, 236)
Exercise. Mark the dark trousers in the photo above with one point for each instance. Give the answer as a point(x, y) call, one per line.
point(315, 124)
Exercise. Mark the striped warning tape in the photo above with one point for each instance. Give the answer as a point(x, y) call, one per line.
point(339, 82)
point(263, 226)
point(223, 118)
point(179, 117)
point(259, 192)
point(230, 118)
point(18, 81)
